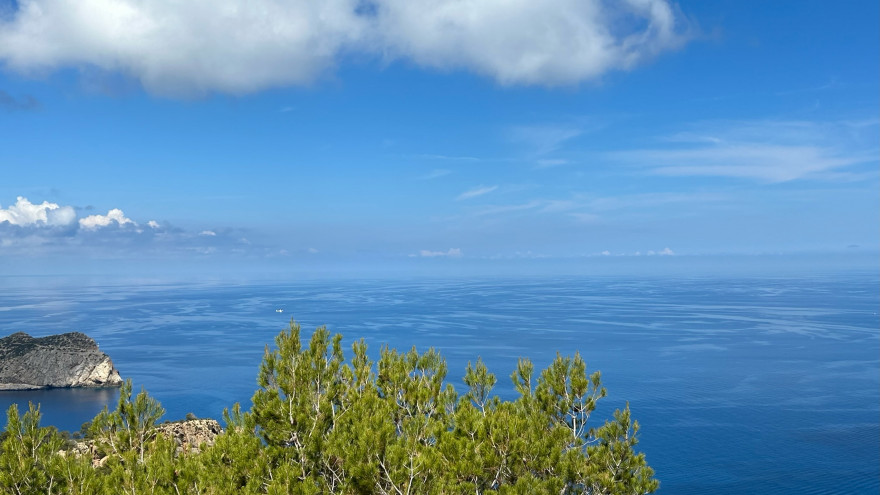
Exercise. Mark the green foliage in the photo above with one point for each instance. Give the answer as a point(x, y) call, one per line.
point(130, 427)
point(321, 424)
point(28, 461)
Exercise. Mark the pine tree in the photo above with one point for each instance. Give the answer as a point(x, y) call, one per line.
point(321, 424)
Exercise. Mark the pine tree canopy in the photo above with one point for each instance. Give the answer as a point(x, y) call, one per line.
point(321, 423)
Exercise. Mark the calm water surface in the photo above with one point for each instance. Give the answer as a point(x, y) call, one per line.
point(740, 385)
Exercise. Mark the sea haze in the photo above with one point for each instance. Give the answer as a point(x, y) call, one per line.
point(741, 385)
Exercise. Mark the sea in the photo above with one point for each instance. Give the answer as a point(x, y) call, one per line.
point(740, 384)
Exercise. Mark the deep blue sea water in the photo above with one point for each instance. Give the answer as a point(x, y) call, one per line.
point(741, 385)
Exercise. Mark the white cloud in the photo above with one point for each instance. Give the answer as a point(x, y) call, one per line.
point(666, 252)
point(545, 42)
point(63, 215)
point(24, 213)
point(175, 47)
point(47, 228)
point(451, 253)
point(241, 46)
point(750, 161)
point(766, 151)
point(478, 191)
point(93, 222)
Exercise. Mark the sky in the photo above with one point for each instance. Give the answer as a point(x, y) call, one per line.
point(436, 136)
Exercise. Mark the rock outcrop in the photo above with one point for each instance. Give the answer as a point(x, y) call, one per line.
point(192, 433)
point(189, 435)
point(67, 360)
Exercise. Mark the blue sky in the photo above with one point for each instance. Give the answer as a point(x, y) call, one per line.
point(434, 136)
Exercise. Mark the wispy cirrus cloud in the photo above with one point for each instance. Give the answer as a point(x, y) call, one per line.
point(242, 46)
point(542, 139)
point(598, 204)
point(590, 208)
point(764, 151)
point(436, 174)
point(475, 192)
point(507, 209)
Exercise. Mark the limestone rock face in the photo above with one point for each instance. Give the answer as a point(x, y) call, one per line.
point(66, 360)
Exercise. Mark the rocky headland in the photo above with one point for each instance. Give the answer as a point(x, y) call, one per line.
point(66, 360)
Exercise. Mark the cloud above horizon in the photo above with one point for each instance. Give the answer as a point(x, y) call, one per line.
point(93, 222)
point(24, 213)
point(33, 229)
point(238, 46)
point(451, 253)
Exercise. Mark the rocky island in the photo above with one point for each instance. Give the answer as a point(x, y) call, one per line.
point(66, 360)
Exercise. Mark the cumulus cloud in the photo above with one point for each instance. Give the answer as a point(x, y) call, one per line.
point(545, 42)
point(451, 253)
point(174, 47)
point(42, 229)
point(25, 213)
point(478, 191)
point(241, 46)
point(94, 222)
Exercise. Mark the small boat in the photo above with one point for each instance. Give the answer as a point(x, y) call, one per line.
point(279, 310)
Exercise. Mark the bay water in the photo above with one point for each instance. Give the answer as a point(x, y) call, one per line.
point(741, 385)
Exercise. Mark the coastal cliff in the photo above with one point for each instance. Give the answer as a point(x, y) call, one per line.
point(66, 360)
